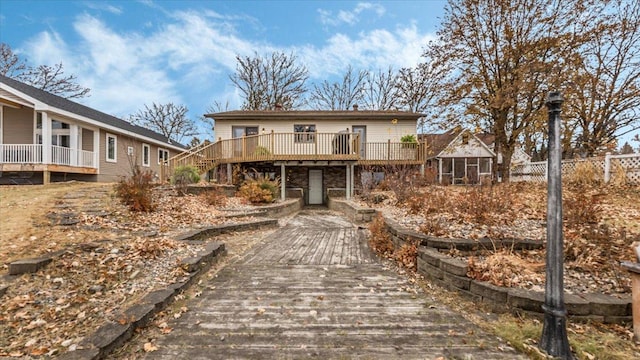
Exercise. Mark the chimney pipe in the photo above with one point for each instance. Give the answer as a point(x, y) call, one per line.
point(355, 107)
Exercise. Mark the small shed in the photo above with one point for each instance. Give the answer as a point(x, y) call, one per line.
point(458, 157)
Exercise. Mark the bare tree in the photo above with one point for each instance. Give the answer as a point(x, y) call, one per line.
point(168, 119)
point(53, 80)
point(10, 64)
point(340, 95)
point(48, 78)
point(266, 81)
point(380, 91)
point(604, 97)
point(506, 56)
point(417, 90)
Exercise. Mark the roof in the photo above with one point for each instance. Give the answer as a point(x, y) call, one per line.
point(437, 143)
point(79, 109)
point(315, 114)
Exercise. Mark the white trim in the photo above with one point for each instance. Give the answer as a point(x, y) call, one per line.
point(148, 148)
point(115, 148)
point(442, 152)
point(40, 106)
point(1, 116)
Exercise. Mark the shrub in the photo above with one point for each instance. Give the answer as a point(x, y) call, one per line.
point(380, 240)
point(261, 151)
point(184, 175)
point(585, 174)
point(259, 190)
point(582, 208)
point(135, 190)
point(407, 256)
point(214, 197)
point(409, 139)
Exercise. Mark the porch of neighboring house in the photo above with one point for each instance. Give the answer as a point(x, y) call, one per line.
point(311, 165)
point(59, 150)
point(462, 170)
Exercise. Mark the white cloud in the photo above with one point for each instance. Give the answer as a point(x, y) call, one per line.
point(190, 57)
point(104, 7)
point(350, 17)
point(377, 49)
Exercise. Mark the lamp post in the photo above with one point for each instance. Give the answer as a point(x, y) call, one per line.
point(554, 332)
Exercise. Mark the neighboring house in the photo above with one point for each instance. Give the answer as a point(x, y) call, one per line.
point(458, 157)
point(44, 137)
point(311, 152)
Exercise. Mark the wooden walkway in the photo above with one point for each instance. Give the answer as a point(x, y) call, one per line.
point(313, 289)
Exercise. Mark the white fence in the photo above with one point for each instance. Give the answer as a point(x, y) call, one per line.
point(609, 164)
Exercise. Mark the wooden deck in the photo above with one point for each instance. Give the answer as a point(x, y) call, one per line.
point(313, 289)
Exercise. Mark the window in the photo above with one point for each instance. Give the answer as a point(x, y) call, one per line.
point(304, 133)
point(146, 155)
point(163, 155)
point(112, 147)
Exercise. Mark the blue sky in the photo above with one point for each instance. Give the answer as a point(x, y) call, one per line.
point(132, 53)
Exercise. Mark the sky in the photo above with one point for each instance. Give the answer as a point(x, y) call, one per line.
point(132, 53)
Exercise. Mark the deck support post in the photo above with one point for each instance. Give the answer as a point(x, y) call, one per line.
point(348, 181)
point(283, 183)
point(352, 178)
point(46, 177)
point(229, 174)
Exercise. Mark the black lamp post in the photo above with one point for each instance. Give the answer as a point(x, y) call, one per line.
point(554, 332)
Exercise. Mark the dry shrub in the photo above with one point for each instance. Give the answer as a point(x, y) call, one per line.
point(135, 191)
point(214, 197)
point(585, 174)
point(486, 205)
point(582, 207)
point(407, 256)
point(505, 268)
point(618, 177)
point(383, 186)
point(380, 239)
point(259, 189)
point(435, 201)
point(152, 248)
point(404, 181)
point(433, 226)
point(415, 204)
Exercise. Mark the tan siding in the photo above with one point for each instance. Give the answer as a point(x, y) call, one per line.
point(17, 126)
point(87, 140)
point(110, 171)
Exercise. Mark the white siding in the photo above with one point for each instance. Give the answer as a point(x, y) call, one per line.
point(474, 148)
point(377, 131)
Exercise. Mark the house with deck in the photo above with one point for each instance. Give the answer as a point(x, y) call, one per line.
point(44, 138)
point(312, 152)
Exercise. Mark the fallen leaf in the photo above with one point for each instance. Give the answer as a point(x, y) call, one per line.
point(149, 347)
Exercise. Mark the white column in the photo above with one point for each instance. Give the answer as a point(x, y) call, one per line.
point(73, 144)
point(352, 177)
point(46, 138)
point(440, 170)
point(607, 167)
point(96, 148)
point(283, 183)
point(348, 181)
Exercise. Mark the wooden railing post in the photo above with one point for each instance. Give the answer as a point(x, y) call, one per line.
point(389, 149)
point(271, 143)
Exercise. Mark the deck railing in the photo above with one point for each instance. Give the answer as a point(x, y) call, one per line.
point(296, 146)
point(32, 154)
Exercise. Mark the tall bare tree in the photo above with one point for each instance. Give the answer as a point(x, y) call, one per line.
point(340, 95)
point(10, 64)
point(604, 95)
point(266, 81)
point(168, 119)
point(506, 55)
point(48, 78)
point(380, 91)
point(417, 90)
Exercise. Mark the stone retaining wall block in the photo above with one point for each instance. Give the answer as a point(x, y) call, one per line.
point(489, 291)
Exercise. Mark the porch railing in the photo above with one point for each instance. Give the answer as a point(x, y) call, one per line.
point(32, 154)
point(297, 146)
